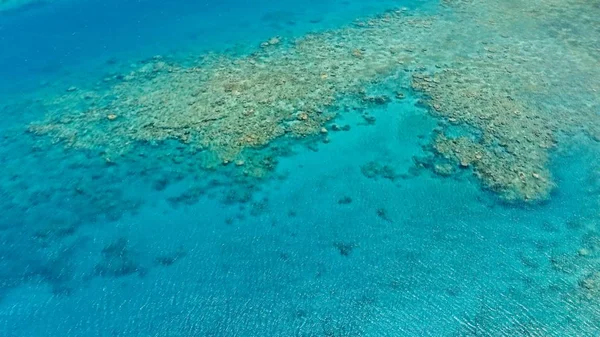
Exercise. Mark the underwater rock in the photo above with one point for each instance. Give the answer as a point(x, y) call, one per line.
point(378, 100)
point(345, 248)
point(313, 147)
point(564, 264)
point(357, 53)
point(590, 285)
point(444, 169)
point(189, 197)
point(336, 127)
point(160, 184)
point(369, 119)
point(423, 162)
point(239, 195)
point(373, 170)
point(302, 116)
point(118, 261)
point(54, 232)
point(590, 244)
point(383, 214)
point(345, 200)
point(528, 261)
point(271, 42)
point(169, 259)
point(583, 252)
point(112, 61)
point(574, 223)
point(259, 207)
point(178, 159)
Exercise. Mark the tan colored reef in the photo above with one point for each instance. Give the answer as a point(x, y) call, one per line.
point(522, 74)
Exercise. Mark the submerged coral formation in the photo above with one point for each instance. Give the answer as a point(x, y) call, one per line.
point(520, 88)
point(225, 104)
point(519, 92)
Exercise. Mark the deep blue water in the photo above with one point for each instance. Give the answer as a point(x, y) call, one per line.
point(318, 250)
point(47, 40)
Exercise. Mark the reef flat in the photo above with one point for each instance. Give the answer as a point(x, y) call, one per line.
point(324, 185)
point(513, 87)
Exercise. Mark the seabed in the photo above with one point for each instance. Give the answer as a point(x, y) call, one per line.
point(431, 169)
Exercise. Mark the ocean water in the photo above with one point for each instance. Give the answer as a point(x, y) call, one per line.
point(361, 229)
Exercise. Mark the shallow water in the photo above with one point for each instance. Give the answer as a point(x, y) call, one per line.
point(351, 233)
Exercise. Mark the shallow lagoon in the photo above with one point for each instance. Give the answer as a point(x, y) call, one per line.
point(352, 236)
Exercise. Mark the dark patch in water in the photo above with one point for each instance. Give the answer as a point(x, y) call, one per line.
point(383, 214)
point(189, 197)
point(279, 19)
point(374, 170)
point(166, 260)
point(259, 207)
point(345, 248)
point(118, 260)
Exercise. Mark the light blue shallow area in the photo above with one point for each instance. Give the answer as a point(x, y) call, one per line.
point(321, 250)
point(297, 262)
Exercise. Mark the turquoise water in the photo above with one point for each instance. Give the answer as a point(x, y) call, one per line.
point(349, 234)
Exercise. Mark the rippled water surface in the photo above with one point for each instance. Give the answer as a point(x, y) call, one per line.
point(299, 168)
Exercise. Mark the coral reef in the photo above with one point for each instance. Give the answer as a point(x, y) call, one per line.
point(374, 170)
point(499, 90)
point(225, 104)
point(119, 260)
point(521, 82)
